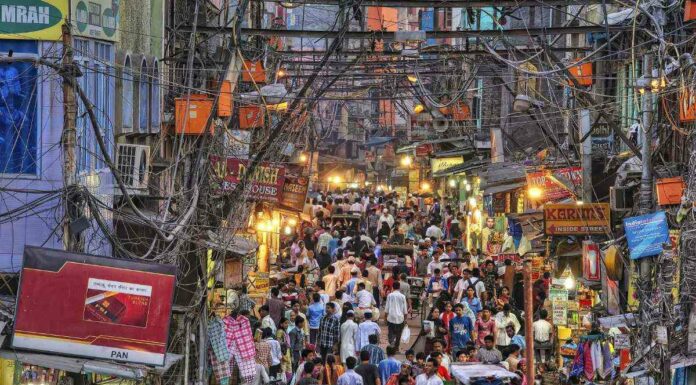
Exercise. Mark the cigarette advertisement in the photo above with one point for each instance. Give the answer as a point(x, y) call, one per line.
point(95, 307)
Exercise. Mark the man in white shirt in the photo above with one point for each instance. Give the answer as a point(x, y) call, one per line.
point(395, 310)
point(324, 239)
point(543, 335)
point(435, 263)
point(468, 280)
point(429, 377)
point(365, 330)
point(365, 301)
point(386, 217)
point(504, 319)
point(266, 320)
point(434, 231)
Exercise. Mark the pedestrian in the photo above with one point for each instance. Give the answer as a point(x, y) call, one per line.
point(315, 312)
point(329, 332)
point(330, 281)
point(283, 338)
point(266, 320)
point(460, 329)
point(484, 327)
point(515, 338)
point(332, 370)
point(504, 319)
point(349, 337)
point(307, 375)
point(350, 377)
point(389, 366)
point(307, 356)
point(366, 329)
point(429, 375)
point(488, 354)
point(543, 336)
point(374, 275)
point(376, 352)
point(395, 311)
point(276, 307)
point(297, 342)
point(367, 370)
point(403, 377)
point(513, 358)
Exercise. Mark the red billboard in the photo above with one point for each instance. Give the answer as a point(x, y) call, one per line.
point(95, 307)
point(266, 179)
point(546, 181)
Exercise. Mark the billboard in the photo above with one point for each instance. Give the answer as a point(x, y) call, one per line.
point(573, 219)
point(97, 19)
point(95, 307)
point(646, 234)
point(295, 192)
point(439, 164)
point(546, 180)
point(267, 179)
point(32, 19)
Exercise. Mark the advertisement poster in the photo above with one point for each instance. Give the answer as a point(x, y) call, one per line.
point(551, 182)
point(32, 19)
point(573, 219)
point(558, 294)
point(560, 313)
point(590, 261)
point(266, 180)
point(258, 284)
point(95, 307)
point(97, 19)
point(646, 234)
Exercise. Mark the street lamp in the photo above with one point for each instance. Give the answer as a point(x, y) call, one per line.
point(535, 192)
point(406, 161)
point(412, 78)
point(452, 183)
point(303, 157)
point(425, 186)
point(418, 108)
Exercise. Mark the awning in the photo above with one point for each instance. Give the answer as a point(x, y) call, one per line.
point(83, 365)
point(378, 141)
point(237, 244)
point(406, 149)
point(488, 190)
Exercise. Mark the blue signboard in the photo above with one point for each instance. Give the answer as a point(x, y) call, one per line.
point(646, 234)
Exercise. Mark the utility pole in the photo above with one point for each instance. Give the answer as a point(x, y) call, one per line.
point(586, 147)
point(646, 185)
point(69, 139)
point(528, 320)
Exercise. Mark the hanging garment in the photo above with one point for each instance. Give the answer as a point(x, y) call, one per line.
point(240, 343)
point(608, 367)
point(221, 369)
point(587, 358)
point(597, 359)
point(218, 339)
point(578, 366)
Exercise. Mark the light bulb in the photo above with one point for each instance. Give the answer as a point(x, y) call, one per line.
point(453, 183)
point(535, 192)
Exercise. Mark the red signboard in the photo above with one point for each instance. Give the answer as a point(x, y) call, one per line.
point(552, 190)
point(514, 257)
point(424, 149)
point(266, 180)
point(572, 219)
point(95, 307)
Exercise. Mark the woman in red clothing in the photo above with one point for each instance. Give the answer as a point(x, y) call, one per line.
point(445, 317)
point(485, 326)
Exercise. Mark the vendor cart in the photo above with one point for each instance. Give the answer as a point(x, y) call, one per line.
point(471, 373)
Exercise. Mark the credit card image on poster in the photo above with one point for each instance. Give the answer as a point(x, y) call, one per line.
point(119, 303)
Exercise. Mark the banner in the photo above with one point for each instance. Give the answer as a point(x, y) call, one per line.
point(266, 181)
point(591, 261)
point(573, 219)
point(551, 182)
point(295, 192)
point(95, 307)
point(97, 19)
point(646, 234)
point(32, 19)
point(439, 164)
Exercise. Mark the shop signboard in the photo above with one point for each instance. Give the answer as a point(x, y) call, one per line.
point(95, 307)
point(550, 182)
point(590, 261)
point(439, 164)
point(266, 180)
point(500, 258)
point(97, 19)
point(556, 294)
point(295, 191)
point(560, 313)
point(32, 19)
point(573, 219)
point(622, 341)
point(258, 284)
point(424, 150)
point(646, 234)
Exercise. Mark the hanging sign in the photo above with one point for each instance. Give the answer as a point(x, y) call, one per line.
point(32, 19)
point(622, 341)
point(646, 234)
point(95, 307)
point(439, 164)
point(572, 219)
point(98, 19)
point(590, 261)
point(560, 313)
point(558, 294)
point(295, 192)
point(266, 180)
point(551, 182)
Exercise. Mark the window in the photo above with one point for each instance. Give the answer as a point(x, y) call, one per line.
point(127, 96)
point(477, 104)
point(96, 62)
point(155, 99)
point(18, 118)
point(143, 99)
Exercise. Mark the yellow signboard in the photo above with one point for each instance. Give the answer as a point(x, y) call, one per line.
point(32, 19)
point(439, 164)
point(573, 219)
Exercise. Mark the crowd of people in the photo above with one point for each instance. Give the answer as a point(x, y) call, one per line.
point(322, 324)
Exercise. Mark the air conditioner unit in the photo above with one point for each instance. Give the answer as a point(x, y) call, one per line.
point(620, 198)
point(133, 162)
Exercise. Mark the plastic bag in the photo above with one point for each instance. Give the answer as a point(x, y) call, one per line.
point(405, 335)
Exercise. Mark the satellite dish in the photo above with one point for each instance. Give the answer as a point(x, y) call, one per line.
point(440, 124)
